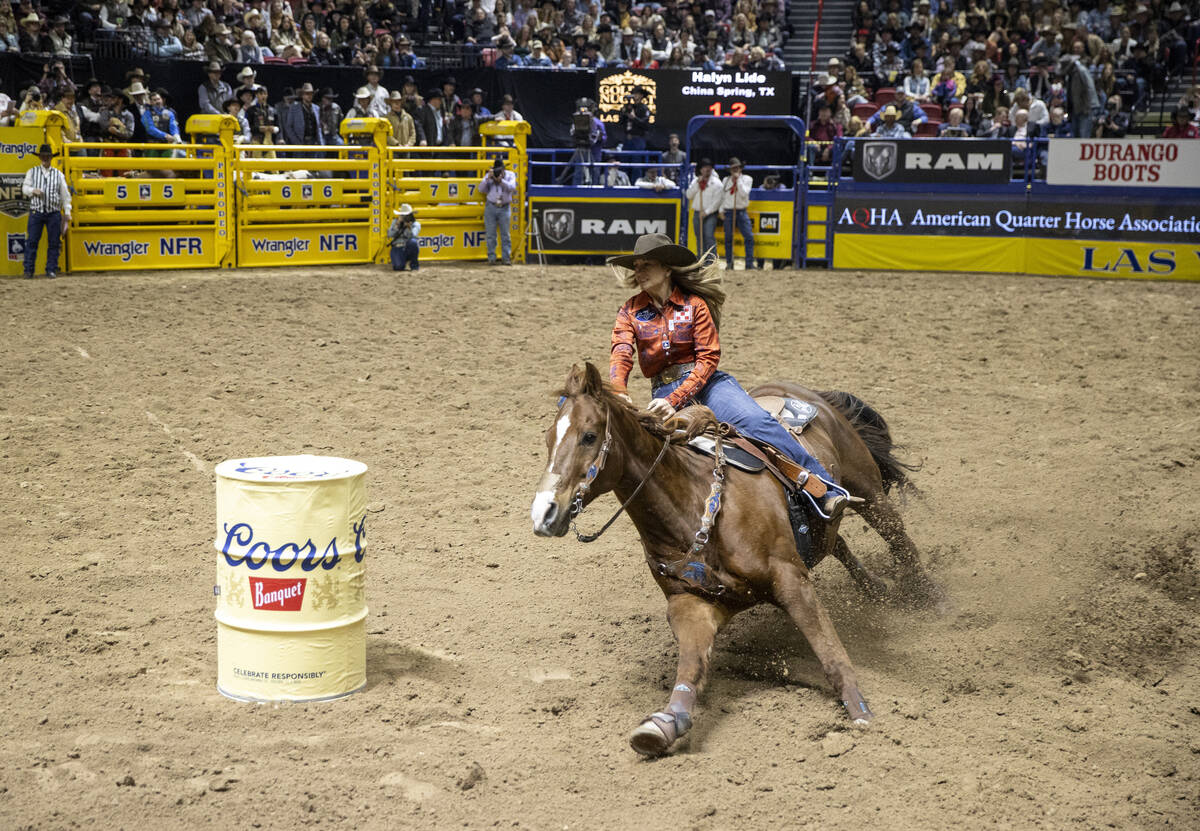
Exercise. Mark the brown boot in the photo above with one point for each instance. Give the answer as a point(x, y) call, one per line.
point(833, 504)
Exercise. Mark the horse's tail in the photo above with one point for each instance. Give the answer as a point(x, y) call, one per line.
point(873, 430)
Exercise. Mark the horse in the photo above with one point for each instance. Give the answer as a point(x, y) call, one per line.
point(748, 555)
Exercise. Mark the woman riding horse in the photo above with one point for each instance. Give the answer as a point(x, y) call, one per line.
point(672, 326)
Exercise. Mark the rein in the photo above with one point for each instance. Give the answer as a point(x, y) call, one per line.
point(594, 471)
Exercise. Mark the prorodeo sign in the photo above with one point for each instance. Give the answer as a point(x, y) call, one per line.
point(1139, 163)
point(933, 161)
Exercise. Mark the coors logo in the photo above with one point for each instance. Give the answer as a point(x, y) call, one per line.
point(273, 594)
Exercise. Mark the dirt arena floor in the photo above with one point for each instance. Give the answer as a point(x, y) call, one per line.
point(1057, 421)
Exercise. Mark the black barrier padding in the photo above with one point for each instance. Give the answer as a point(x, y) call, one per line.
point(753, 144)
point(545, 99)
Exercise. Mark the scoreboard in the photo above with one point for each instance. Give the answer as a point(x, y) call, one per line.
point(675, 95)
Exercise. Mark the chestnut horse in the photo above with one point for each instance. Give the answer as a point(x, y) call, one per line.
point(599, 443)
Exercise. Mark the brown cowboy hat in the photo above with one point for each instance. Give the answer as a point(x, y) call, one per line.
point(656, 247)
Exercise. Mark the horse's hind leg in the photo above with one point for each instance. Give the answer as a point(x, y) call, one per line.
point(868, 583)
point(794, 592)
point(695, 622)
point(915, 583)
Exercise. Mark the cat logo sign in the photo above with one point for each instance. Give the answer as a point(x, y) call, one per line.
point(615, 91)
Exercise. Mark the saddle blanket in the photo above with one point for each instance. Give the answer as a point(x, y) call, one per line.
point(792, 413)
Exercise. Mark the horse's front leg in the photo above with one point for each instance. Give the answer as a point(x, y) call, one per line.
point(795, 593)
point(695, 622)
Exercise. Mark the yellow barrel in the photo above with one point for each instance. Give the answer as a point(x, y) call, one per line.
point(291, 595)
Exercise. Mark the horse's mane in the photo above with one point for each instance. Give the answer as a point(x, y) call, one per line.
point(589, 382)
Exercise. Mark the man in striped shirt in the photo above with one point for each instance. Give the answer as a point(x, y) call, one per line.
point(49, 202)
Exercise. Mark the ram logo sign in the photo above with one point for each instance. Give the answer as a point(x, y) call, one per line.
point(558, 224)
point(929, 161)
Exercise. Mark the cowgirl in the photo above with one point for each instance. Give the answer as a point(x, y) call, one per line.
point(672, 327)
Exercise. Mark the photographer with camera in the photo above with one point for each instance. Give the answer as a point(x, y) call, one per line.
point(1114, 123)
point(587, 136)
point(403, 238)
point(498, 188)
point(635, 119)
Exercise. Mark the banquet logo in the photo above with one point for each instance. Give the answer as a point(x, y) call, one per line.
point(275, 595)
point(614, 91)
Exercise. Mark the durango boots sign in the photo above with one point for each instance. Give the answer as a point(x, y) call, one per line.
point(1139, 163)
point(933, 161)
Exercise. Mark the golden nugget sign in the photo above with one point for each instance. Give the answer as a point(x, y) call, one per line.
point(615, 91)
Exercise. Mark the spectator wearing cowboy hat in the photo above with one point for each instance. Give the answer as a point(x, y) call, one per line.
point(264, 124)
point(476, 98)
point(331, 118)
point(164, 44)
point(432, 120)
point(219, 46)
point(49, 210)
point(362, 104)
point(635, 118)
point(406, 59)
point(214, 92)
point(889, 125)
point(508, 59)
point(404, 129)
point(735, 202)
point(403, 235)
point(378, 105)
point(302, 120)
point(246, 81)
point(31, 38)
point(60, 38)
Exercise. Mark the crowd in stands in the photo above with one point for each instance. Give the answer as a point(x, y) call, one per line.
point(1017, 69)
point(389, 33)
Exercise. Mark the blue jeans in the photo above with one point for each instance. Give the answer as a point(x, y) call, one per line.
point(635, 143)
point(51, 221)
point(581, 167)
point(743, 225)
point(730, 403)
point(1083, 125)
point(706, 231)
point(493, 216)
point(406, 254)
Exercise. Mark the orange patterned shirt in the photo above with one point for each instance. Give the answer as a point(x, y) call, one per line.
point(682, 332)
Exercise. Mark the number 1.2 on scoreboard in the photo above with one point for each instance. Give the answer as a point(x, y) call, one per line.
point(736, 110)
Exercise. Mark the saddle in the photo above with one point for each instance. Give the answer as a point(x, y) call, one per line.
point(752, 456)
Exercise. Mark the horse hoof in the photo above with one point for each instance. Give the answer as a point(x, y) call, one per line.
point(649, 739)
point(655, 735)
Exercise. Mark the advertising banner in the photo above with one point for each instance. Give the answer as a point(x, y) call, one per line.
point(933, 161)
point(1138, 163)
point(675, 95)
point(771, 221)
point(18, 153)
point(601, 225)
point(1013, 234)
point(327, 243)
point(123, 248)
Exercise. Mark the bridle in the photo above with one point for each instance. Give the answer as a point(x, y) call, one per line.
point(593, 471)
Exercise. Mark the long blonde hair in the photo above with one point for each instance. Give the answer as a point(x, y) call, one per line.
point(702, 279)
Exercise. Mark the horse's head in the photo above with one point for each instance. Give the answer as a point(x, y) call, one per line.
point(578, 443)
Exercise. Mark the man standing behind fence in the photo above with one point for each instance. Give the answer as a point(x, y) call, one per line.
point(302, 121)
point(735, 194)
point(705, 199)
point(498, 188)
point(49, 204)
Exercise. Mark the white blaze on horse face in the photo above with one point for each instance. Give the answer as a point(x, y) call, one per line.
point(560, 430)
point(544, 498)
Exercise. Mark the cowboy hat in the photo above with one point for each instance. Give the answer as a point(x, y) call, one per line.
point(45, 150)
point(405, 209)
point(363, 92)
point(734, 161)
point(136, 88)
point(305, 87)
point(246, 72)
point(656, 247)
point(213, 66)
point(396, 95)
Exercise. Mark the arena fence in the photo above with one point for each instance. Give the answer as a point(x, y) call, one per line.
point(212, 202)
point(1064, 207)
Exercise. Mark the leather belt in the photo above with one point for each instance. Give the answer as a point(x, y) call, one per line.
point(672, 373)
